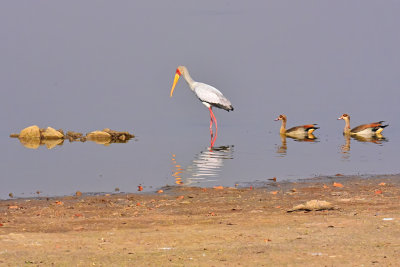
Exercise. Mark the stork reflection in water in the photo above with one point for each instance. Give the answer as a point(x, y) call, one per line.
point(205, 166)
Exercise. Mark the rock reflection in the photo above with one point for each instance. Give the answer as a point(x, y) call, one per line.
point(345, 149)
point(205, 166)
point(282, 149)
point(35, 143)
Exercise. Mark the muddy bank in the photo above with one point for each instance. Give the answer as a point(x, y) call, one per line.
point(210, 226)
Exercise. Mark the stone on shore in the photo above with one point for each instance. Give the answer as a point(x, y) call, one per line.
point(313, 205)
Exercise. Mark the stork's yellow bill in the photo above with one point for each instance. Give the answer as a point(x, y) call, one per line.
point(177, 75)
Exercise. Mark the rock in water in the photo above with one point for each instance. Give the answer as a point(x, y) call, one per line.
point(31, 132)
point(99, 137)
point(118, 137)
point(51, 133)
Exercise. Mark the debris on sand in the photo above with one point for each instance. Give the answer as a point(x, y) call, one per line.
point(313, 205)
point(214, 227)
point(33, 137)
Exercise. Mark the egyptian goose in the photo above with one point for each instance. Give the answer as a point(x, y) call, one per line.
point(297, 131)
point(374, 128)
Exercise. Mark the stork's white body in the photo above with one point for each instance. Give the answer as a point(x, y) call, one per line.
point(210, 96)
point(207, 94)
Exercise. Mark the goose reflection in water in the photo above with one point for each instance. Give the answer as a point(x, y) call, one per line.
point(376, 139)
point(282, 149)
point(205, 167)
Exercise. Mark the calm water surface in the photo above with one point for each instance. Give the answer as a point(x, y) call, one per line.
point(112, 66)
point(156, 160)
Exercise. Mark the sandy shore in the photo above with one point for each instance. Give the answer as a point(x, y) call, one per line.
point(210, 226)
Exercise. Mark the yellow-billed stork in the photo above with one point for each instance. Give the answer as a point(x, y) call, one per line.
point(207, 94)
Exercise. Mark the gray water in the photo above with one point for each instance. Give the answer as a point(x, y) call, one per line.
point(84, 66)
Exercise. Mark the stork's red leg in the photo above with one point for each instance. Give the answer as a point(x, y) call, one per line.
point(212, 142)
point(211, 120)
point(215, 121)
point(210, 123)
point(213, 138)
